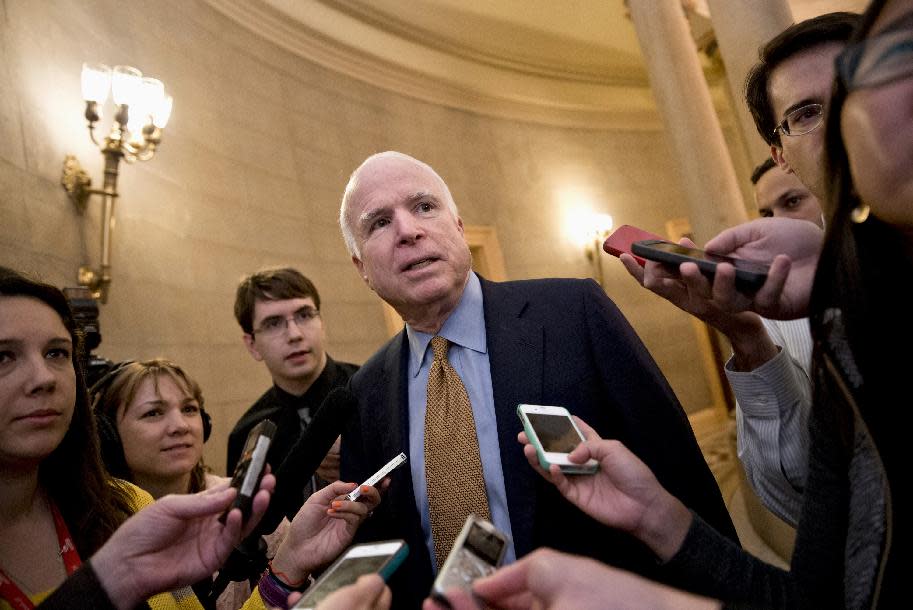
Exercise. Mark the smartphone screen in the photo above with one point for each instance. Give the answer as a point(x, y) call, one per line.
point(556, 433)
point(484, 544)
point(477, 552)
point(346, 573)
point(358, 560)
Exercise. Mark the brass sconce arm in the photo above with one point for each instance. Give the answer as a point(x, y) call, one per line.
point(77, 184)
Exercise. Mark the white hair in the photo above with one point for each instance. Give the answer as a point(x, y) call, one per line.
point(345, 223)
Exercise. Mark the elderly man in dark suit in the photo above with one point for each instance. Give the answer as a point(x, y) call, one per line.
point(446, 389)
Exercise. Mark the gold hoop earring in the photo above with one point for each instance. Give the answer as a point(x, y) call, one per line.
point(860, 213)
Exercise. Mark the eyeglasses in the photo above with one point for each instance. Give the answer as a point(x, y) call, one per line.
point(273, 326)
point(879, 60)
point(801, 121)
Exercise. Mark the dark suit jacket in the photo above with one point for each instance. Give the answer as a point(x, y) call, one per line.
point(550, 342)
point(282, 408)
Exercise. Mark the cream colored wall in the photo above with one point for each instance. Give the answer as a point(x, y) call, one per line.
point(250, 172)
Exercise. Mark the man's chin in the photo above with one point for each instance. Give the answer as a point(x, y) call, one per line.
point(300, 371)
point(425, 295)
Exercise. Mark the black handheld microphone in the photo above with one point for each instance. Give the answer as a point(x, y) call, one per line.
point(305, 457)
point(248, 559)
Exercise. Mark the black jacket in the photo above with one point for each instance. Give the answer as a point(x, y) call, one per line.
point(282, 408)
point(550, 342)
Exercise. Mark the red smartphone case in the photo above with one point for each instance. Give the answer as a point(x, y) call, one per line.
point(622, 238)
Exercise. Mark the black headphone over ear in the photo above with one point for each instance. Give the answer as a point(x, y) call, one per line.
point(112, 448)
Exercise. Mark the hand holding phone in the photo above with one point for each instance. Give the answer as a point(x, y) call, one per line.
point(477, 552)
point(749, 275)
point(554, 434)
point(378, 476)
point(620, 241)
point(380, 557)
point(251, 466)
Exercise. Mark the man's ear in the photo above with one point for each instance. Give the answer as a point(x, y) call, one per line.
point(249, 344)
point(777, 155)
point(361, 270)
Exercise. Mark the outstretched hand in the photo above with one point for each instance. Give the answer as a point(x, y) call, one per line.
point(173, 542)
point(623, 494)
point(549, 580)
point(324, 526)
point(794, 247)
point(688, 296)
point(369, 592)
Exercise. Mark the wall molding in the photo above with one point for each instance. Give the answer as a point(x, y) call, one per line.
point(337, 36)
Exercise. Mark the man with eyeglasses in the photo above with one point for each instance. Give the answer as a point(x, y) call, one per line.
point(786, 93)
point(279, 311)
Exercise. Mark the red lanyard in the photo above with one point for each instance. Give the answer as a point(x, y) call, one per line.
point(13, 594)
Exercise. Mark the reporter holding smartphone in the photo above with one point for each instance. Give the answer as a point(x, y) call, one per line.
point(323, 528)
point(170, 543)
point(548, 580)
point(770, 368)
point(177, 540)
point(369, 592)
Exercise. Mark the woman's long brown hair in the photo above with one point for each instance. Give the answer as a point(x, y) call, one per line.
point(92, 504)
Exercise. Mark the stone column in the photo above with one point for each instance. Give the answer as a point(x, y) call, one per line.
point(711, 189)
point(741, 27)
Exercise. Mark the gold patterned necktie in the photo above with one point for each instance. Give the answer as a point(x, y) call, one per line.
point(453, 467)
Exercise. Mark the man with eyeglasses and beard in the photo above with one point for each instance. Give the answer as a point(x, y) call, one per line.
point(279, 311)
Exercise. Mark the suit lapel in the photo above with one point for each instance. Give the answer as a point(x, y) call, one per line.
point(390, 400)
point(394, 403)
point(515, 352)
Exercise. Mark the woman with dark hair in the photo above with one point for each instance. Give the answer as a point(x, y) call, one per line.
point(56, 502)
point(853, 533)
point(862, 296)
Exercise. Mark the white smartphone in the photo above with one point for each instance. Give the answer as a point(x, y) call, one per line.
point(477, 552)
point(381, 557)
point(554, 434)
point(378, 476)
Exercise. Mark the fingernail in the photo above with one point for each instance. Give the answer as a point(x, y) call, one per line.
point(336, 503)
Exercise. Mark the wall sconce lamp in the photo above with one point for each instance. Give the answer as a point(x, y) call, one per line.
point(600, 225)
point(142, 111)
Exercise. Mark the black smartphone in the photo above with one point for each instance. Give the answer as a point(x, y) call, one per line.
point(249, 471)
point(749, 275)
